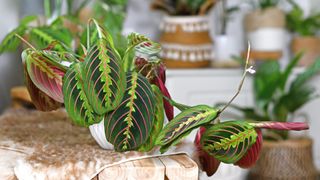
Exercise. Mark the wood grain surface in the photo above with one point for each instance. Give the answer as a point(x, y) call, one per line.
point(173, 167)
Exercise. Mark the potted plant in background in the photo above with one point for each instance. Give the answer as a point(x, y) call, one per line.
point(304, 28)
point(265, 30)
point(42, 30)
point(185, 38)
point(278, 98)
point(224, 46)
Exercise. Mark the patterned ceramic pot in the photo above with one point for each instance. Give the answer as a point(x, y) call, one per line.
point(186, 42)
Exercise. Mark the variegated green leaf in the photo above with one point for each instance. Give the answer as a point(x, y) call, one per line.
point(62, 60)
point(136, 38)
point(229, 141)
point(75, 99)
point(98, 32)
point(183, 124)
point(104, 77)
point(130, 124)
point(46, 76)
point(146, 45)
point(148, 51)
point(158, 121)
point(39, 99)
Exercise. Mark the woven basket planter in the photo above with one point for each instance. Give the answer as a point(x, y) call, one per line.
point(285, 160)
point(186, 42)
point(310, 46)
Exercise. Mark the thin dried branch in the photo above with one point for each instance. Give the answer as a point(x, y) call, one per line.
point(250, 70)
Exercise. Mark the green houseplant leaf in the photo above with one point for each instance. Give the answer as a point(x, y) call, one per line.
point(298, 94)
point(136, 40)
point(39, 99)
point(229, 141)
point(158, 121)
point(11, 41)
point(75, 99)
point(266, 82)
point(130, 124)
point(43, 36)
point(46, 76)
point(104, 77)
point(183, 124)
point(288, 70)
point(304, 77)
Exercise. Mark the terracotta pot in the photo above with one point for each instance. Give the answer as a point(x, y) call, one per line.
point(289, 159)
point(186, 42)
point(265, 30)
point(310, 46)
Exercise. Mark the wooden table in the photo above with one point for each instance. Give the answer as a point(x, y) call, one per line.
point(173, 167)
point(46, 144)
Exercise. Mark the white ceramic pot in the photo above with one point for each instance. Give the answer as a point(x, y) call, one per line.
point(265, 30)
point(97, 132)
point(267, 39)
point(224, 48)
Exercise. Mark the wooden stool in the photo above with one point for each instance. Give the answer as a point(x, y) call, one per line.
point(20, 97)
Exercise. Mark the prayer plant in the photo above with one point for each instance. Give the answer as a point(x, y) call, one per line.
point(130, 97)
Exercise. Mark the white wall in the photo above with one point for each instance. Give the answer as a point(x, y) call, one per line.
point(10, 63)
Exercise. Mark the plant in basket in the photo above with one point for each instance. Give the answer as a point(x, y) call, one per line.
point(265, 29)
point(122, 99)
point(185, 35)
point(305, 30)
point(277, 98)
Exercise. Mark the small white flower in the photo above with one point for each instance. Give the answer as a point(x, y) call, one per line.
point(251, 70)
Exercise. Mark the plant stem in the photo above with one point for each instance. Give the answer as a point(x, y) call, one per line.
point(143, 67)
point(25, 41)
point(88, 35)
point(69, 7)
point(58, 7)
point(223, 17)
point(47, 8)
point(241, 82)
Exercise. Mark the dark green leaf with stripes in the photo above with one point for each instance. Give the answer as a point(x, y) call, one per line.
point(229, 141)
point(158, 121)
point(104, 77)
point(75, 99)
point(183, 124)
point(130, 124)
point(134, 40)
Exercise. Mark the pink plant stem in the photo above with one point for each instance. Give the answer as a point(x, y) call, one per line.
point(297, 126)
